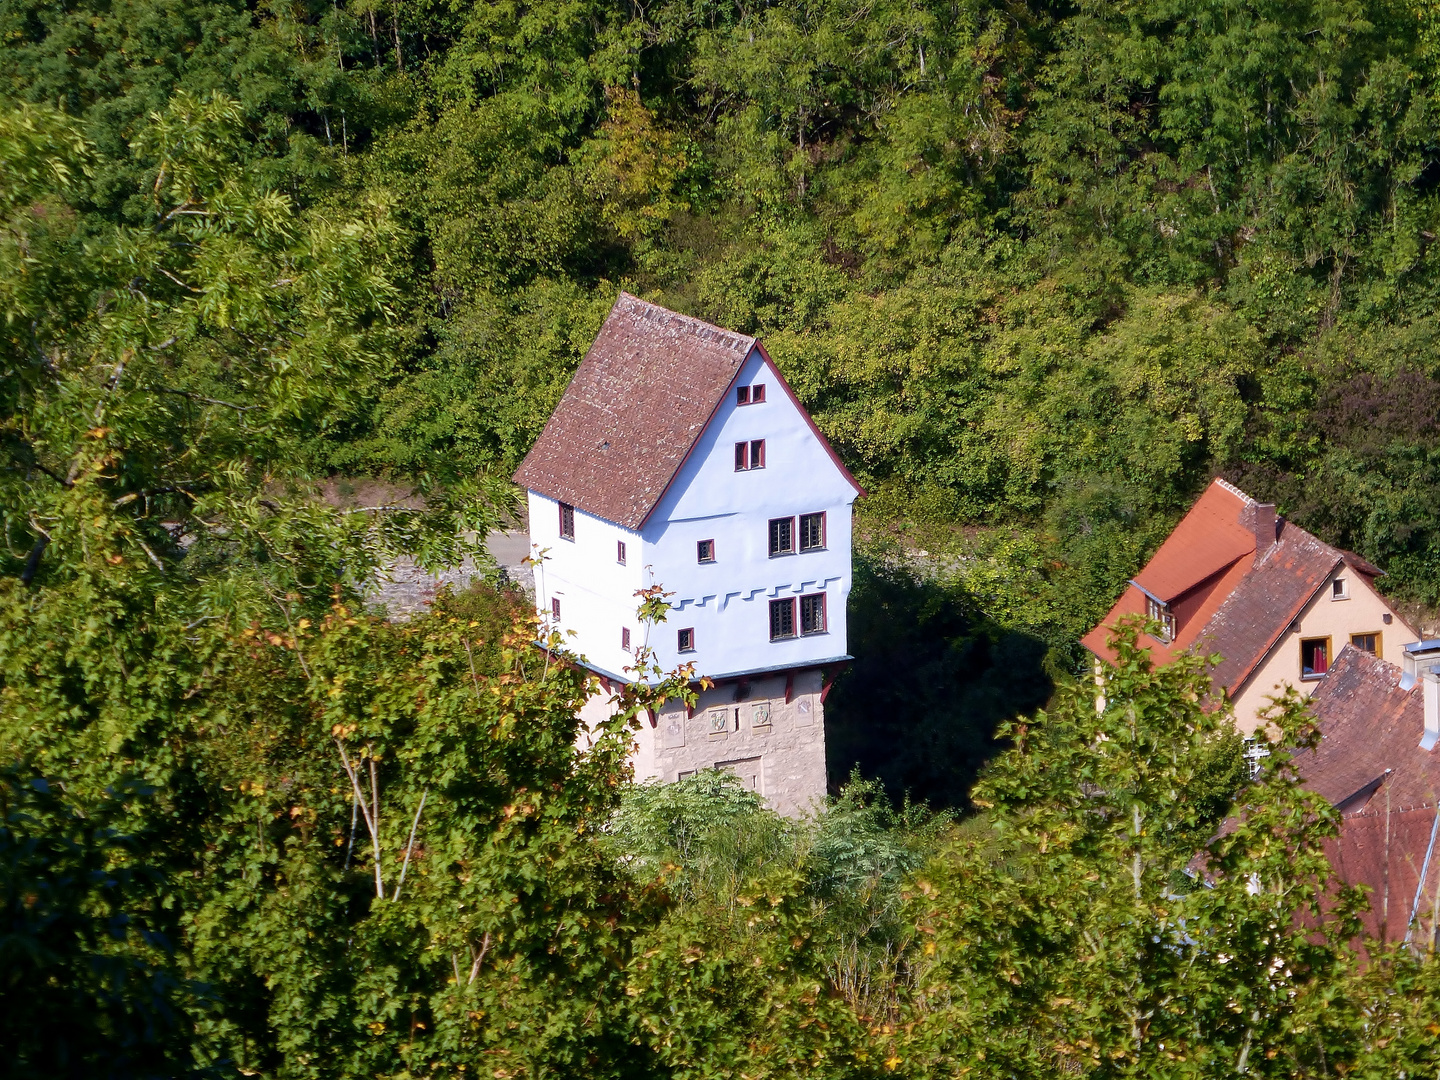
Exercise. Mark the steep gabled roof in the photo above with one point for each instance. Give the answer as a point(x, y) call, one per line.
point(633, 411)
point(1208, 539)
point(1230, 598)
point(1266, 601)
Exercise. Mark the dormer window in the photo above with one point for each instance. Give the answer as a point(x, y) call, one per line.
point(567, 522)
point(750, 455)
point(750, 395)
point(1339, 590)
point(1161, 613)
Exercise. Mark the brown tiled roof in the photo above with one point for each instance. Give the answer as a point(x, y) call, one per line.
point(1369, 723)
point(1370, 766)
point(1265, 602)
point(1386, 851)
point(634, 409)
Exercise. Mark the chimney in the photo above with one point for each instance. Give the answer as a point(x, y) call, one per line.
point(1431, 683)
point(1264, 524)
point(1421, 663)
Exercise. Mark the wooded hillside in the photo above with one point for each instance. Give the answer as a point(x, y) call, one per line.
point(1038, 271)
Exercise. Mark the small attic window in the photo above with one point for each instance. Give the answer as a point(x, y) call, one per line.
point(749, 455)
point(620, 552)
point(705, 551)
point(1339, 590)
point(567, 522)
point(685, 639)
point(750, 395)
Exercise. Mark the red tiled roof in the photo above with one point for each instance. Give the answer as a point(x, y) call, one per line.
point(1208, 539)
point(1227, 600)
point(633, 411)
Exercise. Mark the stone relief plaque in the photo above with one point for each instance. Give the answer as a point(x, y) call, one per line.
point(719, 722)
point(760, 714)
point(804, 712)
point(675, 732)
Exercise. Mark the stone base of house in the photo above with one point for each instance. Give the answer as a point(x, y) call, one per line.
point(768, 729)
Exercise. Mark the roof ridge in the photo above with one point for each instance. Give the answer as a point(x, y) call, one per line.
point(1248, 500)
point(689, 324)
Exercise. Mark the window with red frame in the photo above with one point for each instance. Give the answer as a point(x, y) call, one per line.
point(750, 455)
point(812, 614)
point(685, 639)
point(782, 619)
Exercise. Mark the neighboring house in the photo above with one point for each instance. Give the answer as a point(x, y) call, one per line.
point(1274, 602)
point(1378, 764)
point(679, 456)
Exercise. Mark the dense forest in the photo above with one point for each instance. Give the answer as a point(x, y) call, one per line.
point(1039, 272)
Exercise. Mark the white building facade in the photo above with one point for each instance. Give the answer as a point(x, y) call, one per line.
point(679, 457)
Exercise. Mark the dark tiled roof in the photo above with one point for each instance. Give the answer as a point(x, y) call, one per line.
point(634, 409)
point(1369, 723)
point(1265, 602)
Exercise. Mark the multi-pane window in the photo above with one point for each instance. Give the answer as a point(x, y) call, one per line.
point(1162, 614)
point(812, 532)
point(1314, 657)
point(812, 614)
point(705, 551)
point(750, 455)
point(750, 395)
point(625, 638)
point(782, 536)
point(620, 552)
point(685, 639)
point(782, 619)
point(555, 607)
point(567, 521)
point(1366, 643)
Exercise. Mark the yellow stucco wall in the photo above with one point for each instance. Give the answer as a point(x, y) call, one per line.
point(1362, 613)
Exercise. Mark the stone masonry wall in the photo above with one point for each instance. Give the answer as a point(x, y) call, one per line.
point(776, 748)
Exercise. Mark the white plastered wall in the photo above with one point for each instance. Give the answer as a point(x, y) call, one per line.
point(596, 592)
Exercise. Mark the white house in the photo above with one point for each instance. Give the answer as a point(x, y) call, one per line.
point(679, 456)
